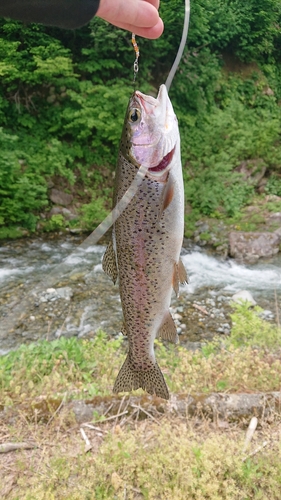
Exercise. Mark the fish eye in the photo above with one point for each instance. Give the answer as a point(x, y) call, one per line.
point(134, 115)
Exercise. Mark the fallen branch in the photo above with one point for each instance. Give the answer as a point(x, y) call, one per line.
point(226, 407)
point(6, 447)
point(223, 406)
point(201, 309)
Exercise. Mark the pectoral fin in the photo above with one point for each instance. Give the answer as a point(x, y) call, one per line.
point(168, 329)
point(109, 263)
point(168, 195)
point(180, 276)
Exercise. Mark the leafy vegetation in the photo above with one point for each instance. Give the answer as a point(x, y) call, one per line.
point(250, 330)
point(147, 461)
point(170, 458)
point(62, 103)
point(82, 367)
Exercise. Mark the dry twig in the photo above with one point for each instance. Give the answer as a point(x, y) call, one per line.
point(6, 447)
point(201, 309)
point(259, 448)
point(113, 416)
point(108, 410)
point(146, 412)
point(88, 445)
point(58, 409)
point(90, 426)
point(250, 432)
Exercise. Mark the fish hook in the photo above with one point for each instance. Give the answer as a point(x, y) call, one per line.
point(137, 52)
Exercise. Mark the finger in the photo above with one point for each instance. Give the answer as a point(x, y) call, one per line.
point(151, 33)
point(139, 13)
point(154, 3)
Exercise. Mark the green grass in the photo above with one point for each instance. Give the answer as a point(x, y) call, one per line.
point(84, 368)
point(53, 368)
point(147, 461)
point(177, 458)
point(273, 206)
point(248, 329)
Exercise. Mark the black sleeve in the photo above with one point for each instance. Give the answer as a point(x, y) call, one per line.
point(67, 14)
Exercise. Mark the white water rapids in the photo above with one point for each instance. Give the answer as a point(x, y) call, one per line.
point(31, 261)
point(26, 263)
point(208, 271)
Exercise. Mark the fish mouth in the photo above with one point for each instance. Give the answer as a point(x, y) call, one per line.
point(166, 160)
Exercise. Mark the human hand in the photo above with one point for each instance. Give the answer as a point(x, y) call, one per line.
point(138, 16)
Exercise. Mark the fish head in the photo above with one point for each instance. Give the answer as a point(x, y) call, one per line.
point(150, 133)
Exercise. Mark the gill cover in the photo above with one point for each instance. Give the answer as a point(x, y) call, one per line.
point(152, 130)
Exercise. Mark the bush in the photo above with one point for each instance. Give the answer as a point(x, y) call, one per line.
point(62, 104)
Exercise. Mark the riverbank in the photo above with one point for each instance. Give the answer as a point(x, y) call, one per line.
point(140, 460)
point(253, 233)
point(55, 445)
point(41, 298)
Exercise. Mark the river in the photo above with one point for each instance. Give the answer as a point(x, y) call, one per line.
point(84, 299)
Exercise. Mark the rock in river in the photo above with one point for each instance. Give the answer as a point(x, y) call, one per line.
point(251, 246)
point(52, 294)
point(244, 296)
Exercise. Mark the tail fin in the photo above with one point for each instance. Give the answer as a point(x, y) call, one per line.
point(151, 381)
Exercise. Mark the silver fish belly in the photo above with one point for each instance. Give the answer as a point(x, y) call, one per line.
point(147, 237)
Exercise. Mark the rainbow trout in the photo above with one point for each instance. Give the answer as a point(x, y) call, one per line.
point(147, 237)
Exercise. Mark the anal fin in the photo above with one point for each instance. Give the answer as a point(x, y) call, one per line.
point(109, 263)
point(151, 381)
point(180, 276)
point(168, 329)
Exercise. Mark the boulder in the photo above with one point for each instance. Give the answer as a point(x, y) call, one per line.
point(53, 294)
point(55, 211)
point(275, 217)
point(251, 246)
point(67, 213)
point(60, 198)
point(244, 296)
point(64, 292)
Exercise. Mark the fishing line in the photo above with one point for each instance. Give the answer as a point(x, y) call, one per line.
point(16, 316)
point(119, 208)
point(181, 47)
point(59, 272)
point(136, 63)
point(106, 224)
